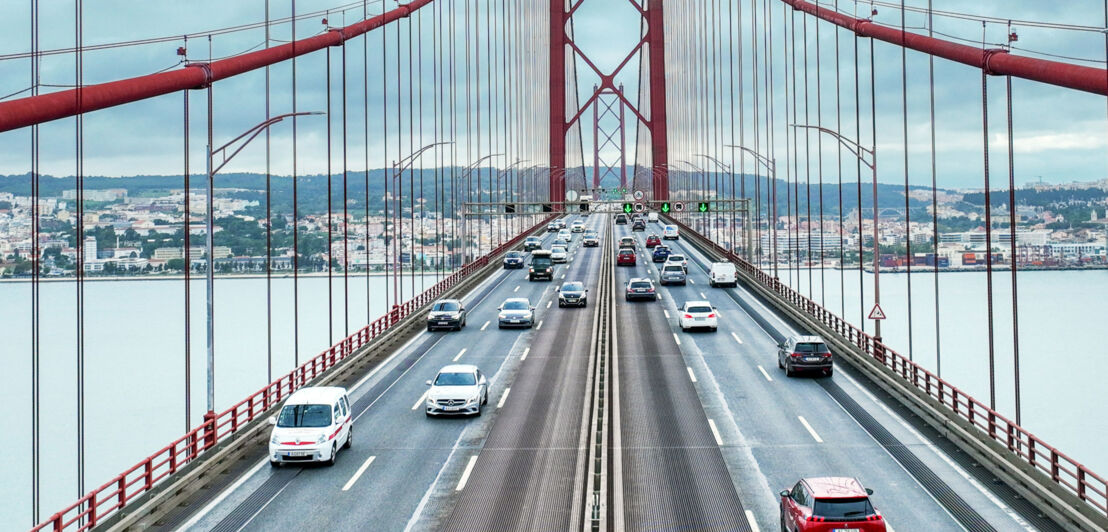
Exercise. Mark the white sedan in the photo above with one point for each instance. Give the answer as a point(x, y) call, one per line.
point(698, 314)
point(558, 254)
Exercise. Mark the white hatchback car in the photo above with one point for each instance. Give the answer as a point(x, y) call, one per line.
point(311, 426)
point(677, 258)
point(578, 227)
point(558, 254)
point(457, 389)
point(698, 315)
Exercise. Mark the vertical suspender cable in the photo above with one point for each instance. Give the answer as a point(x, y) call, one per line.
point(345, 203)
point(934, 194)
point(767, 80)
point(907, 198)
point(771, 143)
point(819, 168)
point(186, 250)
point(295, 213)
point(80, 158)
point(268, 223)
point(412, 145)
point(858, 173)
point(209, 235)
point(988, 227)
point(794, 208)
point(436, 104)
point(1015, 254)
point(398, 180)
point(35, 322)
point(452, 22)
point(757, 124)
point(839, 172)
point(789, 42)
point(876, 227)
point(365, 140)
point(468, 175)
point(731, 112)
point(807, 167)
point(330, 209)
point(386, 176)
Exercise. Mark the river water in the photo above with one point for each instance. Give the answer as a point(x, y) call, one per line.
point(134, 352)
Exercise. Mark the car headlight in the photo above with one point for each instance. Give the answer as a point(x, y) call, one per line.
point(322, 438)
point(273, 440)
point(430, 402)
point(474, 399)
point(503, 316)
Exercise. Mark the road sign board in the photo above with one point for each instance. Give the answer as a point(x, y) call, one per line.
point(876, 313)
point(678, 206)
point(639, 207)
point(638, 195)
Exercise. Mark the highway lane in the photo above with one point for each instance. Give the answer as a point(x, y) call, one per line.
point(775, 429)
point(407, 449)
point(529, 474)
point(674, 476)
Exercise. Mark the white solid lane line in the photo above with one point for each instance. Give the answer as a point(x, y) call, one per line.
point(764, 374)
point(525, 352)
point(486, 325)
point(736, 337)
point(692, 376)
point(358, 474)
point(459, 355)
point(715, 431)
point(675, 338)
point(465, 474)
point(422, 398)
point(753, 523)
point(810, 429)
point(503, 397)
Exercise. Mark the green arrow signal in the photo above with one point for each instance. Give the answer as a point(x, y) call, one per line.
point(665, 208)
point(703, 207)
point(627, 208)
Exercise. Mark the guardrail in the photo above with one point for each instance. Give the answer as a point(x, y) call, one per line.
point(114, 495)
point(1063, 470)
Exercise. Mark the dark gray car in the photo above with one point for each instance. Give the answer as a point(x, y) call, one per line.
point(804, 353)
point(573, 294)
point(447, 314)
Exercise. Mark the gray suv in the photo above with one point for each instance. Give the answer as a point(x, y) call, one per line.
point(804, 353)
point(672, 273)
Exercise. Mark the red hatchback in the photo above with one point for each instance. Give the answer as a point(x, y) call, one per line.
point(626, 257)
point(829, 504)
point(653, 240)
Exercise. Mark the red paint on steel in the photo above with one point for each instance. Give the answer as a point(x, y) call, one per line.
point(659, 140)
point(1069, 474)
point(217, 428)
point(996, 62)
point(558, 125)
point(46, 107)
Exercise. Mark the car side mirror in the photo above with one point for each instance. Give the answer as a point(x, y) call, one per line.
point(463, 309)
point(272, 420)
point(557, 289)
point(869, 491)
point(484, 380)
point(428, 383)
point(532, 309)
point(784, 493)
point(499, 308)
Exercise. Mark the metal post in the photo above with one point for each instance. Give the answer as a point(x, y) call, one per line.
point(210, 278)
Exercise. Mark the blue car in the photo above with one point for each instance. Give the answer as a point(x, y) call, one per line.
point(661, 253)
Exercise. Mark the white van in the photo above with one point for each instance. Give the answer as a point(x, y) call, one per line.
point(652, 217)
point(669, 232)
point(312, 426)
point(723, 274)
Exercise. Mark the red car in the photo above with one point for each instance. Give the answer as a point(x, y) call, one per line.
point(825, 504)
point(626, 257)
point(653, 240)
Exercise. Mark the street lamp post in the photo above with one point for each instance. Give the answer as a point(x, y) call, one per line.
point(504, 174)
point(771, 166)
point(398, 169)
point(466, 174)
point(228, 152)
point(861, 153)
point(726, 169)
point(695, 169)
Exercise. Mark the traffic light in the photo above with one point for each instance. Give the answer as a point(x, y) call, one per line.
point(510, 208)
point(702, 206)
point(627, 208)
point(666, 208)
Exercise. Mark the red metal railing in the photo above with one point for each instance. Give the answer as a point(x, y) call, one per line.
point(105, 500)
point(1062, 469)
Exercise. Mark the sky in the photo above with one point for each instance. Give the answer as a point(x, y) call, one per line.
point(1060, 135)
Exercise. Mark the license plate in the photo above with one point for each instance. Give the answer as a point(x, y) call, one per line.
point(298, 453)
point(700, 319)
point(452, 408)
point(444, 323)
point(813, 359)
point(517, 321)
point(846, 530)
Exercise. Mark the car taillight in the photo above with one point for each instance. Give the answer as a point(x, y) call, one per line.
point(827, 355)
point(815, 519)
point(688, 316)
point(711, 315)
point(873, 517)
point(795, 355)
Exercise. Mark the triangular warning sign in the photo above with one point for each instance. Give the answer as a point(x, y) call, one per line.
point(876, 313)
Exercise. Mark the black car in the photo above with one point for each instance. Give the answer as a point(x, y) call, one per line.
point(573, 294)
point(641, 288)
point(639, 225)
point(804, 353)
point(447, 314)
point(542, 266)
point(621, 219)
point(513, 260)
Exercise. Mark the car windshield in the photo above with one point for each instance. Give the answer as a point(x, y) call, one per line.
point(676, 258)
point(304, 416)
point(573, 287)
point(698, 309)
point(446, 306)
point(674, 268)
point(516, 305)
point(640, 284)
point(626, 253)
point(590, 235)
point(842, 509)
point(455, 379)
point(540, 261)
point(513, 254)
point(811, 348)
point(557, 249)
